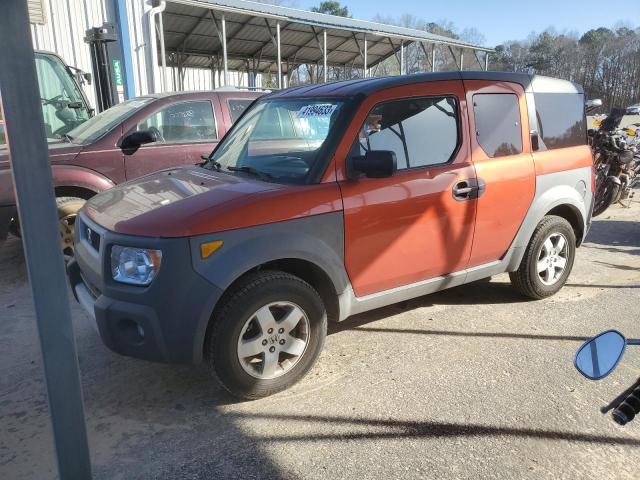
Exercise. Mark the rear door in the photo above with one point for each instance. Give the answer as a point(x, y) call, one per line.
point(502, 158)
point(411, 226)
point(185, 129)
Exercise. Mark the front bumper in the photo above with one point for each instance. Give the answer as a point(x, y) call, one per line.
point(165, 321)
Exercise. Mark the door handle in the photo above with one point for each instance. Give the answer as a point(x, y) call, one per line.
point(468, 189)
point(462, 190)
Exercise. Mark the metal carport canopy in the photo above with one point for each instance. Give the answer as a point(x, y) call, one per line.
point(193, 35)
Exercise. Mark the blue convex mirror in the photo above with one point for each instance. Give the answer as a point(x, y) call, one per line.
point(598, 357)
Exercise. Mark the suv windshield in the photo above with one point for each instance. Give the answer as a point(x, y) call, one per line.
point(104, 122)
point(278, 140)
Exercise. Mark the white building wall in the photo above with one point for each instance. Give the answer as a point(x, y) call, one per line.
point(205, 79)
point(64, 31)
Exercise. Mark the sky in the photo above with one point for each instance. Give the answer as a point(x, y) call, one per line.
point(500, 20)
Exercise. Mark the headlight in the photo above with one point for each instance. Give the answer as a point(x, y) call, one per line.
point(136, 266)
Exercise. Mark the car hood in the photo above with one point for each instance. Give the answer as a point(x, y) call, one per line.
point(59, 151)
point(189, 201)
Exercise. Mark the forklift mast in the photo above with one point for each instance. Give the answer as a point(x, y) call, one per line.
point(104, 46)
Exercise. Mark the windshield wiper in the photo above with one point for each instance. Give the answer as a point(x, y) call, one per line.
point(251, 171)
point(208, 163)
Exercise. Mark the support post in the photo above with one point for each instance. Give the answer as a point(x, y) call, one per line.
point(163, 53)
point(224, 50)
point(33, 183)
point(402, 68)
point(279, 55)
point(324, 54)
point(364, 59)
point(486, 61)
point(433, 57)
point(461, 59)
point(122, 19)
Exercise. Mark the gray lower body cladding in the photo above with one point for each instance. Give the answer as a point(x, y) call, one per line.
point(175, 310)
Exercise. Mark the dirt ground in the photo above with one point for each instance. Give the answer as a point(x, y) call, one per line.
point(474, 382)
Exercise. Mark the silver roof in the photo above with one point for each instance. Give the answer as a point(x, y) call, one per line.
point(190, 33)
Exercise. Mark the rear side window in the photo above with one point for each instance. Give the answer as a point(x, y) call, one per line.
point(237, 106)
point(421, 131)
point(561, 120)
point(498, 123)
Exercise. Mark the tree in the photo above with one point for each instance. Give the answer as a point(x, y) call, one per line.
point(332, 8)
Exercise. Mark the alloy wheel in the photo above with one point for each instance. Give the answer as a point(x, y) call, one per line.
point(67, 226)
point(273, 340)
point(552, 258)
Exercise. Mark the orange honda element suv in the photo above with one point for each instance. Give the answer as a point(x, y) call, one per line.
point(328, 200)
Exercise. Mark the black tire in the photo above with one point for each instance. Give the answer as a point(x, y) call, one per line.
point(68, 208)
point(526, 279)
point(253, 292)
point(606, 197)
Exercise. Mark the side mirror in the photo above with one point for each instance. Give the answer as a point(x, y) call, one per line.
point(592, 105)
point(599, 356)
point(535, 140)
point(134, 140)
point(375, 164)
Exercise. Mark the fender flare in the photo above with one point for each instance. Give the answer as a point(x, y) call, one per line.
point(317, 240)
point(76, 176)
point(244, 256)
point(614, 179)
point(559, 195)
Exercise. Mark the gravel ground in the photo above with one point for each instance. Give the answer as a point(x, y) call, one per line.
point(474, 382)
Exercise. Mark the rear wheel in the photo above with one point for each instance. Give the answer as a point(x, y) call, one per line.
point(548, 259)
point(267, 334)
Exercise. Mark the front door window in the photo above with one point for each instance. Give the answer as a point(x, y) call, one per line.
point(184, 122)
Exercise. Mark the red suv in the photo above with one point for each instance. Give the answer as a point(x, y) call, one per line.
point(128, 140)
point(328, 200)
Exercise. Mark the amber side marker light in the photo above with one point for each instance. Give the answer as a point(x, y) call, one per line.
point(207, 249)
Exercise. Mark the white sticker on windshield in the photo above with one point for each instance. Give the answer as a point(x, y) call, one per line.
point(136, 104)
point(317, 110)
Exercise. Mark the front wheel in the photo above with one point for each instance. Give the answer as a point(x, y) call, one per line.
point(266, 335)
point(548, 259)
point(68, 208)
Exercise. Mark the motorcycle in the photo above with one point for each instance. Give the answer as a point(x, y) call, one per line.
point(616, 160)
point(600, 356)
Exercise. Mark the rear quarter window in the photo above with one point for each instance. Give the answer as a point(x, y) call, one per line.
point(561, 120)
point(498, 128)
point(237, 106)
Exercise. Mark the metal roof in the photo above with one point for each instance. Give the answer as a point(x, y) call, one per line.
point(191, 32)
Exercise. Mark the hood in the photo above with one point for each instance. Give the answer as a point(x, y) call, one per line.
point(175, 192)
point(189, 201)
point(59, 151)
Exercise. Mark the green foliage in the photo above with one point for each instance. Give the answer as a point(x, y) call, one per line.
point(605, 62)
point(332, 8)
